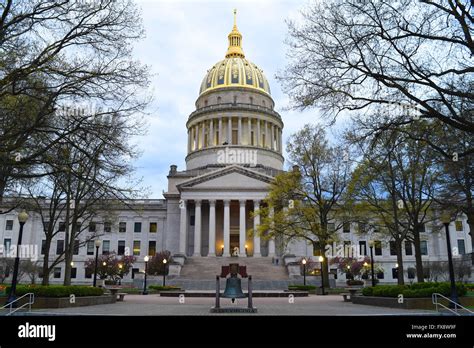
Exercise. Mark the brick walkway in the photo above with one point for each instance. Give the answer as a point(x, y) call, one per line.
point(156, 305)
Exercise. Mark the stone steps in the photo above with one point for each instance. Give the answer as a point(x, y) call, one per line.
point(206, 268)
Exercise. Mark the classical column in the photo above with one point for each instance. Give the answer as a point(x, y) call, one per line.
point(211, 132)
point(271, 242)
point(242, 234)
point(229, 130)
point(256, 222)
point(197, 228)
point(182, 226)
point(258, 132)
point(226, 228)
point(250, 132)
point(203, 132)
point(219, 140)
point(240, 131)
point(212, 228)
point(280, 133)
point(196, 140)
point(189, 140)
point(267, 138)
point(272, 140)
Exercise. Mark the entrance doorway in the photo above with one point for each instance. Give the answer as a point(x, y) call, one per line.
point(234, 242)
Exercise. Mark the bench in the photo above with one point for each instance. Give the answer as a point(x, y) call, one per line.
point(346, 297)
point(120, 296)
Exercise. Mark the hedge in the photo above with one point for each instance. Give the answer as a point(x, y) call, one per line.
point(413, 290)
point(301, 287)
point(57, 290)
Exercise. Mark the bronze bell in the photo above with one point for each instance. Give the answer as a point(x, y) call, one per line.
point(233, 289)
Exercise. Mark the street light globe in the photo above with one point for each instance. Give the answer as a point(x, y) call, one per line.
point(97, 243)
point(72, 263)
point(146, 258)
point(246, 246)
point(23, 217)
point(303, 261)
point(165, 261)
point(120, 265)
point(348, 267)
point(321, 259)
point(396, 265)
point(104, 263)
point(445, 217)
point(371, 243)
point(365, 264)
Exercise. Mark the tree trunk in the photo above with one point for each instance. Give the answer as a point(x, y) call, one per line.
point(418, 260)
point(46, 270)
point(401, 277)
point(325, 275)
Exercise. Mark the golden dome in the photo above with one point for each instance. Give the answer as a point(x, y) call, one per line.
point(235, 70)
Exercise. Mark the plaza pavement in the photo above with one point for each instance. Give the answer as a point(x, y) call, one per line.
point(153, 304)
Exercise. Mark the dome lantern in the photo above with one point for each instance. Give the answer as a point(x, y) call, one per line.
point(235, 41)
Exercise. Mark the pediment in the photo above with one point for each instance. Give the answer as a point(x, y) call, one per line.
point(229, 178)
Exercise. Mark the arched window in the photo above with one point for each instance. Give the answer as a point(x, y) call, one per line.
point(205, 102)
point(251, 100)
point(219, 100)
point(235, 99)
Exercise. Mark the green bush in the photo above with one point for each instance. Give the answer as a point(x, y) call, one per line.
point(414, 290)
point(164, 288)
point(302, 287)
point(57, 290)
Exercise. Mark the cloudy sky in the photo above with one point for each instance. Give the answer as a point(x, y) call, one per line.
point(184, 39)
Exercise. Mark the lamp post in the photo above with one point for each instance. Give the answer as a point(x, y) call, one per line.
point(446, 219)
point(165, 261)
point(22, 218)
point(120, 272)
point(321, 260)
point(246, 250)
point(222, 250)
point(145, 292)
point(371, 246)
point(304, 271)
point(97, 244)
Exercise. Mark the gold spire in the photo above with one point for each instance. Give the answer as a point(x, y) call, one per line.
point(235, 41)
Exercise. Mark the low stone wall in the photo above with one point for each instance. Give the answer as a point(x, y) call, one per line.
point(408, 303)
point(63, 302)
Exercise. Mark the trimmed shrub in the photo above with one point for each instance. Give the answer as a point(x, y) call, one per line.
point(57, 290)
point(302, 287)
point(414, 290)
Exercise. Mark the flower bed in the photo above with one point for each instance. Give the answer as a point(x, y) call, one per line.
point(302, 287)
point(57, 290)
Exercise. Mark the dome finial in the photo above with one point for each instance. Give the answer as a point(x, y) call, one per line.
point(235, 41)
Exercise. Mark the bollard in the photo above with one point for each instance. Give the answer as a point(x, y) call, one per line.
point(218, 292)
point(250, 292)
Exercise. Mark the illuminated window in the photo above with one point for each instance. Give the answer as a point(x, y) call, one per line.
point(136, 248)
point(458, 224)
point(153, 227)
point(122, 227)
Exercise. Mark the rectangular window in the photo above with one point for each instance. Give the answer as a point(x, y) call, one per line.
point(362, 247)
point(411, 273)
point(78, 227)
point(137, 227)
point(346, 227)
point(153, 227)
point(123, 227)
point(424, 247)
point(105, 247)
point(347, 248)
point(380, 275)
point(136, 248)
point(43, 247)
point(7, 242)
point(88, 273)
point(334, 272)
point(135, 270)
point(92, 226)
point(121, 247)
point(362, 227)
point(62, 226)
point(57, 272)
point(73, 272)
point(395, 273)
point(331, 227)
point(461, 247)
point(393, 248)
point(151, 248)
point(9, 225)
point(76, 247)
point(191, 220)
point(378, 247)
point(107, 226)
point(90, 247)
point(421, 228)
point(408, 248)
point(59, 247)
point(316, 248)
point(234, 137)
point(46, 226)
point(458, 224)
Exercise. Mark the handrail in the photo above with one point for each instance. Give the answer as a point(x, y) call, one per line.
point(31, 300)
point(434, 298)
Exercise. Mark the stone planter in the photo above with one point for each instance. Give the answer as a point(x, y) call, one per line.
point(63, 302)
point(408, 303)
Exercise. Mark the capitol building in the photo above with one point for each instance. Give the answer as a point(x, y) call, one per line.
point(234, 150)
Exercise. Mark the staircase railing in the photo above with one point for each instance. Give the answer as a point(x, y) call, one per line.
point(31, 300)
point(434, 298)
